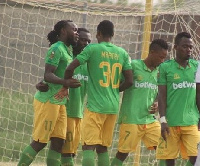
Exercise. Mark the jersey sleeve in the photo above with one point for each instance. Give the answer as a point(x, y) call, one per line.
point(53, 57)
point(162, 79)
point(127, 62)
point(198, 74)
point(84, 56)
point(133, 64)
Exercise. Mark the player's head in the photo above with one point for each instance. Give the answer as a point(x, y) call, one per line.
point(64, 30)
point(158, 50)
point(105, 30)
point(183, 45)
point(84, 39)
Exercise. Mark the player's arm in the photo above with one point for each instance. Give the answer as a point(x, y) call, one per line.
point(50, 77)
point(198, 87)
point(162, 105)
point(70, 69)
point(162, 99)
point(198, 99)
point(80, 59)
point(128, 80)
point(42, 86)
point(198, 95)
point(197, 79)
point(154, 106)
point(68, 78)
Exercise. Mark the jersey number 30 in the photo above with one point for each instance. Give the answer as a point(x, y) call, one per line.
point(110, 74)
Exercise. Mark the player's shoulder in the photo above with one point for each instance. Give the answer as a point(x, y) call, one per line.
point(58, 46)
point(167, 63)
point(91, 46)
point(120, 49)
point(136, 61)
point(115, 47)
point(193, 62)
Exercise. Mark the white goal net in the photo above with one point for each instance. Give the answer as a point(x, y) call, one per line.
point(24, 25)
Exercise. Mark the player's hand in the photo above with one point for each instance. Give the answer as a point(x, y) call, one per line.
point(164, 130)
point(72, 83)
point(42, 87)
point(154, 108)
point(63, 92)
point(199, 125)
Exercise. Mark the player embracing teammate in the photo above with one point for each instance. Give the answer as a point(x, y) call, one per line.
point(109, 71)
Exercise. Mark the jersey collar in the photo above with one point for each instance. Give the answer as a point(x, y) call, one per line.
point(106, 43)
point(146, 68)
point(180, 67)
point(69, 49)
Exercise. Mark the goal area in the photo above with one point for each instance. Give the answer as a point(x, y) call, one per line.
point(24, 25)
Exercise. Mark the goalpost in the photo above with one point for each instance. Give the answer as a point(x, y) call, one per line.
point(24, 25)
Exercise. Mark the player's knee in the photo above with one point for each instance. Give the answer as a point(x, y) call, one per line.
point(56, 144)
point(37, 146)
point(121, 156)
point(101, 149)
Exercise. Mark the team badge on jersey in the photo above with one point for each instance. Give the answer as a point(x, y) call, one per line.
point(176, 76)
point(139, 78)
point(52, 55)
point(158, 74)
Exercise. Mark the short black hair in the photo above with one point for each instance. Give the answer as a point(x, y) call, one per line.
point(180, 35)
point(82, 30)
point(106, 28)
point(158, 44)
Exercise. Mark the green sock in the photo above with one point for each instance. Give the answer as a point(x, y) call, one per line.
point(188, 163)
point(53, 158)
point(67, 161)
point(103, 159)
point(116, 162)
point(88, 158)
point(162, 163)
point(27, 156)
